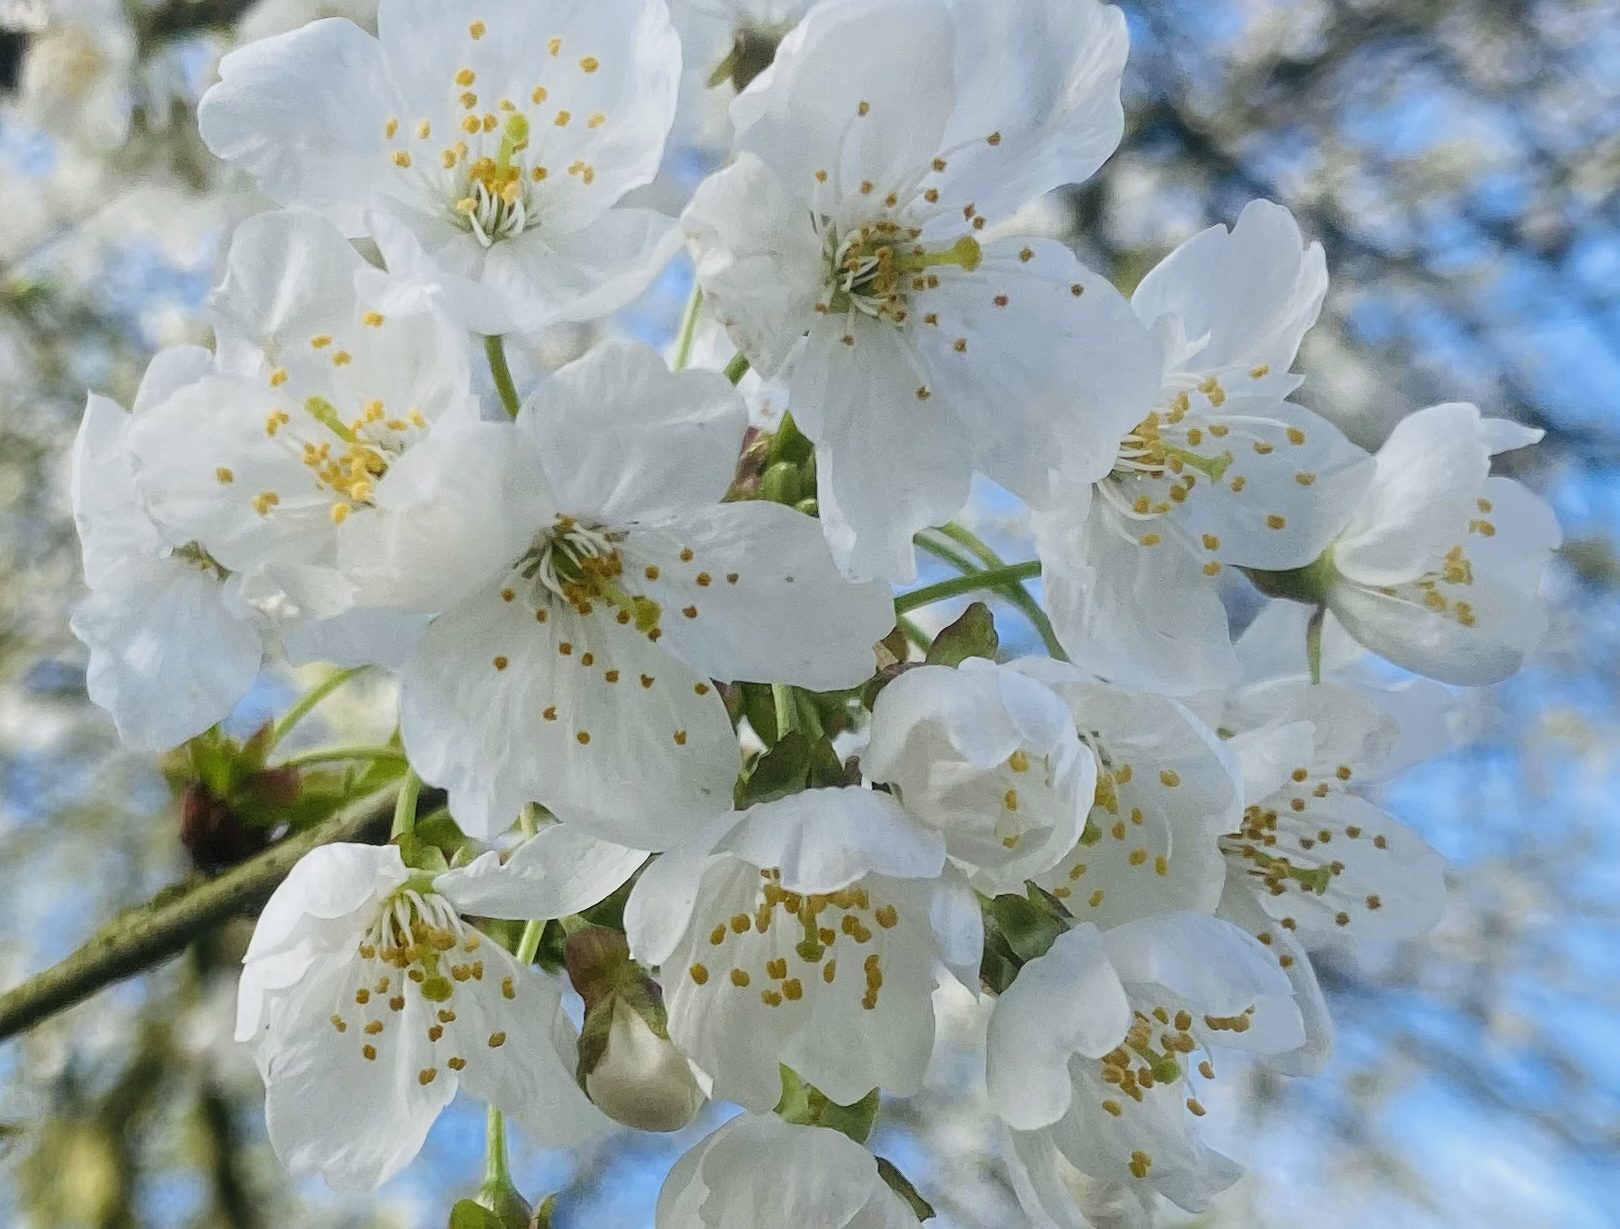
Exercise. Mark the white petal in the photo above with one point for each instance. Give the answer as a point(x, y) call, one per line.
point(825, 839)
point(519, 1051)
point(1052, 369)
point(303, 113)
point(1429, 473)
point(1509, 624)
point(1067, 1002)
point(169, 371)
point(758, 1170)
point(1293, 483)
point(1267, 755)
point(636, 747)
point(1388, 883)
point(1238, 905)
point(167, 659)
point(1044, 76)
point(1206, 962)
point(661, 904)
point(888, 464)
point(1032, 1165)
point(624, 439)
point(743, 1001)
point(1151, 844)
point(758, 259)
point(444, 518)
point(546, 279)
point(947, 737)
point(750, 591)
point(1142, 615)
point(112, 523)
point(329, 1110)
point(289, 276)
point(557, 872)
point(331, 883)
point(356, 638)
point(1253, 291)
point(861, 92)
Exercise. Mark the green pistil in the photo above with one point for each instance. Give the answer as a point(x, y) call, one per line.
point(1164, 1068)
point(1315, 880)
point(513, 138)
point(325, 413)
point(1212, 467)
point(964, 253)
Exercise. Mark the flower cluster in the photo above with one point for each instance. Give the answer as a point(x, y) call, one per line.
point(690, 755)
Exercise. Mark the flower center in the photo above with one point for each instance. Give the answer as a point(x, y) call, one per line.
point(1154, 1055)
point(584, 565)
point(487, 178)
point(793, 937)
point(420, 936)
point(345, 458)
point(875, 269)
point(1172, 440)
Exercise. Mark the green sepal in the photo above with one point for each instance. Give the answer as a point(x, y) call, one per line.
point(901, 1186)
point(760, 709)
point(469, 1215)
point(972, 635)
point(421, 855)
point(1309, 584)
point(1029, 926)
point(805, 1105)
point(780, 771)
point(782, 484)
point(827, 771)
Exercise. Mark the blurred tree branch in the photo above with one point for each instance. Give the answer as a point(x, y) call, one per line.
point(166, 926)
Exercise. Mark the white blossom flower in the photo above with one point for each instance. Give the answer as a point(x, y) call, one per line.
point(1433, 719)
point(991, 759)
point(1166, 789)
point(758, 1170)
point(805, 934)
point(1440, 568)
point(1241, 907)
point(1098, 1049)
point(1220, 470)
point(368, 1001)
point(849, 250)
point(315, 458)
point(1317, 857)
point(172, 650)
point(484, 146)
point(579, 673)
point(78, 77)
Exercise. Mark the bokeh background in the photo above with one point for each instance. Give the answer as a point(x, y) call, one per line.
point(1459, 161)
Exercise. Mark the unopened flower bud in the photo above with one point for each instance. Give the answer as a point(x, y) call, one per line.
point(627, 1064)
point(640, 1078)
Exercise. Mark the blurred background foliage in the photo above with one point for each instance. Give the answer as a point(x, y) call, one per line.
point(1458, 159)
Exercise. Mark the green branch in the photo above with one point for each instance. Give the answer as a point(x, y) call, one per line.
point(307, 702)
point(987, 559)
point(152, 933)
point(992, 579)
point(495, 351)
point(688, 333)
